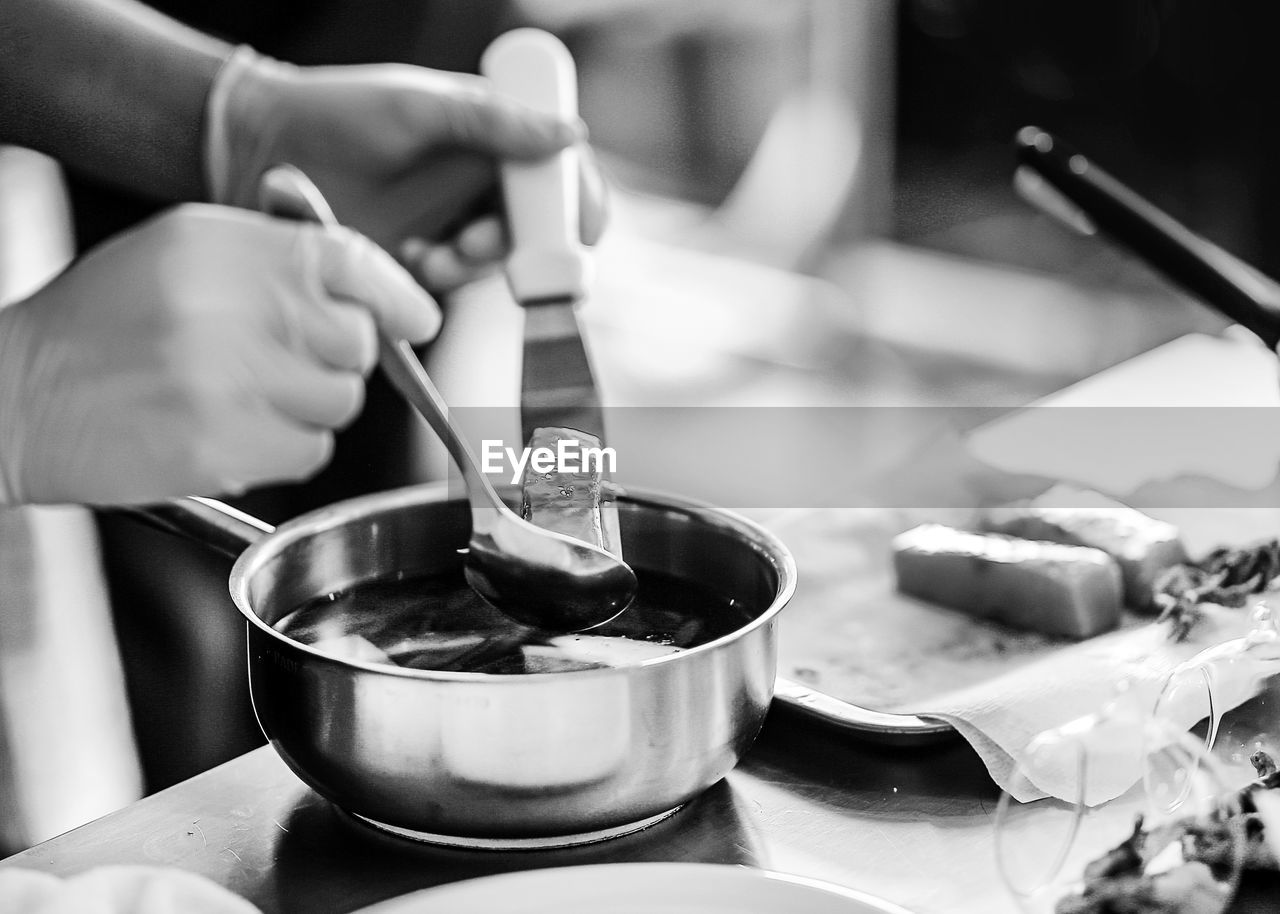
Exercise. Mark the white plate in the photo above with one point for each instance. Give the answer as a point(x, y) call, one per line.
point(638, 888)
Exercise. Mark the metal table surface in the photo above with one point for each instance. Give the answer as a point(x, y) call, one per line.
point(910, 825)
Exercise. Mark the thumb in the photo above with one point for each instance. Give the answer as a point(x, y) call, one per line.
point(476, 116)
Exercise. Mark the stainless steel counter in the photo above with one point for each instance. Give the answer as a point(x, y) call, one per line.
point(910, 825)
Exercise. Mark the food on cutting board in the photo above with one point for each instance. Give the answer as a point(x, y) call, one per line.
point(1225, 577)
point(1127, 879)
point(1142, 546)
point(851, 633)
point(848, 633)
point(577, 504)
point(1074, 591)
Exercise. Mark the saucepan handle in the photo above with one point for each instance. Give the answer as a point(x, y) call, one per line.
point(212, 523)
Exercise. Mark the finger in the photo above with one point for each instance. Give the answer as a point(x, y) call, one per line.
point(309, 393)
point(440, 267)
point(340, 334)
point(476, 116)
point(593, 198)
point(483, 241)
point(353, 267)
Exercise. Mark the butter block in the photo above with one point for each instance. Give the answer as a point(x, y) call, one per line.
point(1057, 589)
point(575, 503)
point(1141, 545)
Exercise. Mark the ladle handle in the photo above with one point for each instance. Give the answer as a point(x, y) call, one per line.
point(405, 371)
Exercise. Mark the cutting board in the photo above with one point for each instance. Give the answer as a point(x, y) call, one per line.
point(1124, 432)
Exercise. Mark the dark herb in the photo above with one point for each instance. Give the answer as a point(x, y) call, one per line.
point(1226, 577)
point(1116, 884)
point(1125, 857)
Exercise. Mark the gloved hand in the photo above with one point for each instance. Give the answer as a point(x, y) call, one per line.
point(403, 154)
point(207, 350)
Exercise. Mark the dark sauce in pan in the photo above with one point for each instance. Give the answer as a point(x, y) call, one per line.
point(439, 623)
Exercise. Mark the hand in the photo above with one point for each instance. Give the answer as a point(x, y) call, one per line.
point(206, 351)
point(402, 153)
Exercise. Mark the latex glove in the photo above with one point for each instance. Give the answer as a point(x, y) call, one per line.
point(206, 351)
point(404, 154)
point(117, 890)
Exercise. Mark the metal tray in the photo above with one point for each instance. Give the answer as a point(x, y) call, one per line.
point(875, 726)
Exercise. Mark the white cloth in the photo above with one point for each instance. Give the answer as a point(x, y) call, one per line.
point(1002, 716)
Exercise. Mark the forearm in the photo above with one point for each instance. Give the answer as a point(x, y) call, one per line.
point(111, 88)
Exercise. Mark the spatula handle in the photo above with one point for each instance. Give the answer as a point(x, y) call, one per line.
point(547, 261)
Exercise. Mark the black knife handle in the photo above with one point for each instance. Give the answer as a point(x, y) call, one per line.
point(1219, 279)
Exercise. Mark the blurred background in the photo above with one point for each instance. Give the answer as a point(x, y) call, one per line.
point(812, 206)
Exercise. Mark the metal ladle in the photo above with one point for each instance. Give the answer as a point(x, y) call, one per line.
point(537, 577)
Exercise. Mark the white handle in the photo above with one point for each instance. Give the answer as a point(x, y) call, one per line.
point(547, 259)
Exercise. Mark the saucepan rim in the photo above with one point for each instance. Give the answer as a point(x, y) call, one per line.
point(257, 555)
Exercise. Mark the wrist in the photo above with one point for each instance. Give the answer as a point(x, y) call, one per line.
point(240, 121)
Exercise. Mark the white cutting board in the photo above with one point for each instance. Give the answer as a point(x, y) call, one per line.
point(1189, 431)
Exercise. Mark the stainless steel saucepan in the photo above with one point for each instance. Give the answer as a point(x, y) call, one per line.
point(481, 759)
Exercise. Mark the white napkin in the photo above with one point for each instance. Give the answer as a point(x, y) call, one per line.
point(1185, 432)
point(1001, 716)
